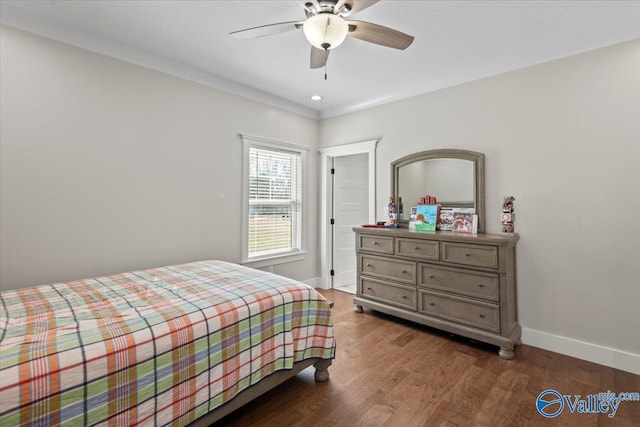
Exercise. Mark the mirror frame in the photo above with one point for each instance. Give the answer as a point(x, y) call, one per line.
point(447, 153)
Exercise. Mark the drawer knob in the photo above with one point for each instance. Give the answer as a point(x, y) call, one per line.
point(432, 277)
point(480, 285)
point(368, 265)
point(404, 297)
point(375, 243)
point(404, 271)
point(417, 248)
point(432, 303)
point(369, 289)
point(468, 254)
point(482, 316)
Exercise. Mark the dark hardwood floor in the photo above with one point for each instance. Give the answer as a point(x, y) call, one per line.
point(389, 372)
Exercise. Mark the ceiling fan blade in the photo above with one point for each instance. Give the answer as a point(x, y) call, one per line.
point(266, 30)
point(318, 57)
point(355, 6)
point(378, 34)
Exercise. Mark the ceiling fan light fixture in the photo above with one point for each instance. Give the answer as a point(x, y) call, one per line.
point(325, 30)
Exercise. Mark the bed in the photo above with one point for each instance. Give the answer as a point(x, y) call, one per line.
point(176, 345)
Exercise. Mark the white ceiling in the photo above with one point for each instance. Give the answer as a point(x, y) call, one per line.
point(455, 42)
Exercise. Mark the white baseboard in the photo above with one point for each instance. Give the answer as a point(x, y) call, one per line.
point(595, 353)
point(316, 282)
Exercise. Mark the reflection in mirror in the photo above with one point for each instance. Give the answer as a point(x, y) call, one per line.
point(454, 177)
point(450, 180)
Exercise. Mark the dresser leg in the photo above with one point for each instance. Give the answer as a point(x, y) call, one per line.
point(357, 308)
point(506, 353)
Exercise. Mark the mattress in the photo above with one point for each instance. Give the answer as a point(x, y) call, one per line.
point(154, 347)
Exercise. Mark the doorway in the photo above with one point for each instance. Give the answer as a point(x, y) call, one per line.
point(350, 207)
point(348, 200)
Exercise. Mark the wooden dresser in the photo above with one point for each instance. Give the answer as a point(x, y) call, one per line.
point(464, 284)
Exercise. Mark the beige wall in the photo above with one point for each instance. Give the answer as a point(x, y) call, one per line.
point(564, 139)
point(108, 167)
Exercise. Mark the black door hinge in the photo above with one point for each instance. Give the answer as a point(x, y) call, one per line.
point(332, 221)
point(333, 273)
point(333, 171)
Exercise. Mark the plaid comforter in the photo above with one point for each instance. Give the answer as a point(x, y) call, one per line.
point(154, 347)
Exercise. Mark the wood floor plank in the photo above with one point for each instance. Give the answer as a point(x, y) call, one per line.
point(391, 372)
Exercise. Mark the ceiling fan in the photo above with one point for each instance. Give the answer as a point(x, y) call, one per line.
point(326, 27)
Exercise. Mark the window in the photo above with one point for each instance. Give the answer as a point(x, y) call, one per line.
point(272, 221)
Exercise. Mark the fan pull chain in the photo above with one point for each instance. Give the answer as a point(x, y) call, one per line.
point(326, 47)
point(326, 60)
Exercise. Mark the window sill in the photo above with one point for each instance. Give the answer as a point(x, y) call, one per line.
point(274, 260)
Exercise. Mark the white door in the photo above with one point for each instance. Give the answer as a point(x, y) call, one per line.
point(350, 209)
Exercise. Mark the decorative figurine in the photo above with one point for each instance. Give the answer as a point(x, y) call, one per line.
point(392, 214)
point(508, 216)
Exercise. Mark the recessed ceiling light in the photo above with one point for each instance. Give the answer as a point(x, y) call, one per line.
point(316, 97)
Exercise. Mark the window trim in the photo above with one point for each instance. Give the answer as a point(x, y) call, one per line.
point(248, 142)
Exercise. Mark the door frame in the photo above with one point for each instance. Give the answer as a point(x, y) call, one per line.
point(326, 237)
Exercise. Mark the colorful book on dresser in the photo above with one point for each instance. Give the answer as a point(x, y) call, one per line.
point(465, 220)
point(445, 219)
point(426, 217)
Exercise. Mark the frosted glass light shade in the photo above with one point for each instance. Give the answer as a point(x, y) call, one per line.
point(325, 30)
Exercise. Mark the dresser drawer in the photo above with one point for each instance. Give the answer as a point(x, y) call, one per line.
point(379, 244)
point(469, 254)
point(388, 268)
point(474, 313)
point(403, 296)
point(479, 285)
point(414, 248)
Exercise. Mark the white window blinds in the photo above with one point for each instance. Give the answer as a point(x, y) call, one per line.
point(274, 202)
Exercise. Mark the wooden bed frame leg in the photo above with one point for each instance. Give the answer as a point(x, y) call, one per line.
point(322, 370)
point(357, 308)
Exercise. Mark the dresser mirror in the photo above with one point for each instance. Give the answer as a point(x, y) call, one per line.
point(454, 177)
